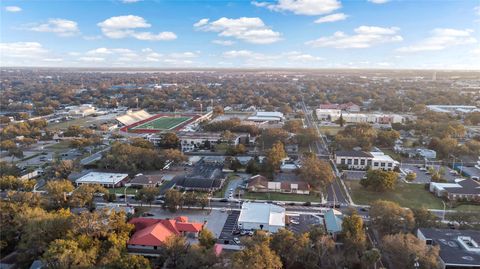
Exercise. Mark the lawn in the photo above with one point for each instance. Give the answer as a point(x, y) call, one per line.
point(330, 130)
point(82, 122)
point(467, 208)
point(275, 196)
point(407, 195)
point(60, 146)
point(162, 123)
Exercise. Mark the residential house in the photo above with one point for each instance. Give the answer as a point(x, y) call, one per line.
point(141, 180)
point(462, 189)
point(259, 183)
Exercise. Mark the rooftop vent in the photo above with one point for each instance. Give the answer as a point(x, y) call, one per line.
point(468, 243)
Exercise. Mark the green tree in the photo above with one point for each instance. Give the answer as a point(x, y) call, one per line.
point(169, 140)
point(354, 238)
point(380, 180)
point(174, 251)
point(141, 143)
point(390, 218)
point(424, 218)
point(174, 155)
point(173, 199)
point(149, 194)
point(275, 155)
point(256, 255)
point(83, 195)
point(290, 248)
point(66, 254)
point(371, 257)
point(206, 238)
point(316, 172)
point(57, 192)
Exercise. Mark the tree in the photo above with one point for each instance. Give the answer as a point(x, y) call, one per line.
point(169, 140)
point(206, 238)
point(148, 194)
point(293, 126)
point(411, 176)
point(57, 191)
point(390, 218)
point(141, 143)
point(253, 167)
point(275, 156)
point(387, 138)
point(173, 199)
point(174, 155)
point(83, 195)
point(129, 261)
point(307, 136)
point(228, 136)
point(66, 254)
point(402, 250)
point(174, 249)
point(379, 180)
point(256, 255)
point(316, 172)
point(218, 110)
point(360, 135)
point(424, 218)
point(290, 248)
point(62, 169)
point(371, 257)
point(354, 238)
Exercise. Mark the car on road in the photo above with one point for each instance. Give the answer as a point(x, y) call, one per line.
point(236, 240)
point(294, 222)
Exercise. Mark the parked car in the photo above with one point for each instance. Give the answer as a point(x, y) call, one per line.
point(236, 240)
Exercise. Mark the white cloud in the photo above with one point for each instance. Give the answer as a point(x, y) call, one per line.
point(130, 1)
point(22, 50)
point(13, 8)
point(61, 27)
point(291, 58)
point(378, 1)
point(296, 56)
point(92, 37)
point(364, 37)
point(442, 38)
point(92, 59)
point(186, 54)
point(332, 18)
point(251, 30)
point(124, 26)
point(223, 42)
point(302, 7)
point(477, 10)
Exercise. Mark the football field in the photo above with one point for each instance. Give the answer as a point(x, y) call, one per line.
point(162, 123)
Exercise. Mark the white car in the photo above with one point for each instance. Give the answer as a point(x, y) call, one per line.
point(294, 222)
point(236, 240)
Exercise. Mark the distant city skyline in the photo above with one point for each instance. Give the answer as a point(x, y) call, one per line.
point(241, 34)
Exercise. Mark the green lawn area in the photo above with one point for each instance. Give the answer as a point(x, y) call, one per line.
point(60, 146)
point(467, 208)
point(82, 122)
point(331, 130)
point(275, 196)
point(122, 190)
point(162, 123)
point(407, 195)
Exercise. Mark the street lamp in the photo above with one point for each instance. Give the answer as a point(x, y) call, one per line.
point(444, 206)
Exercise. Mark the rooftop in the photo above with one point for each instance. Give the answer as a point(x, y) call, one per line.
point(101, 178)
point(262, 213)
point(353, 153)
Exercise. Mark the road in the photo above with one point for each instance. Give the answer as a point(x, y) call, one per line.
point(336, 191)
point(94, 157)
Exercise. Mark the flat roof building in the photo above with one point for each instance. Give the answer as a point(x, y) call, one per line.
point(261, 216)
point(108, 180)
point(458, 248)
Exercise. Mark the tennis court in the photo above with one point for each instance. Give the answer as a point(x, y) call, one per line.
point(162, 123)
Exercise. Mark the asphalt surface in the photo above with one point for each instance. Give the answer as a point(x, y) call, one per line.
point(335, 192)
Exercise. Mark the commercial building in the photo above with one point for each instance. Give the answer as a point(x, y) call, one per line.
point(141, 180)
point(459, 249)
point(350, 107)
point(264, 116)
point(82, 110)
point(150, 234)
point(375, 118)
point(453, 109)
point(361, 160)
point(261, 216)
point(260, 183)
point(462, 189)
point(107, 180)
point(190, 141)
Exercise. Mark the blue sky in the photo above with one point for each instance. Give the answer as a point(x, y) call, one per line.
point(442, 34)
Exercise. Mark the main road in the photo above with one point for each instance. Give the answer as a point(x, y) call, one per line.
point(336, 193)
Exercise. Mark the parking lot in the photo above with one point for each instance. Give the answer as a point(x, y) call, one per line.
point(422, 174)
point(226, 235)
point(301, 223)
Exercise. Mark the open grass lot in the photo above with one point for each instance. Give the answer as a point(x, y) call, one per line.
point(122, 190)
point(60, 146)
point(331, 130)
point(468, 208)
point(407, 195)
point(82, 122)
point(162, 123)
point(281, 197)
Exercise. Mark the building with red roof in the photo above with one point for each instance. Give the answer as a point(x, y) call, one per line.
point(151, 233)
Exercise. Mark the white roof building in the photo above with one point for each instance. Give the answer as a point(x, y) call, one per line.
point(104, 179)
point(272, 116)
point(261, 216)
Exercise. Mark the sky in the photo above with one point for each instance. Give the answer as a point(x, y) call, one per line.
point(380, 34)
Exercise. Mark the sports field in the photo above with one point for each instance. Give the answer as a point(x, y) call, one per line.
point(162, 123)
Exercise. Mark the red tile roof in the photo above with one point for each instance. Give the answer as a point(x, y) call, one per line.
point(153, 232)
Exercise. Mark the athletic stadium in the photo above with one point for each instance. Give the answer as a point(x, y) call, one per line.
point(143, 122)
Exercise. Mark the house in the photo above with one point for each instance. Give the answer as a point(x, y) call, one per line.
point(107, 180)
point(333, 222)
point(259, 183)
point(150, 234)
point(261, 216)
point(462, 189)
point(199, 183)
point(141, 180)
point(458, 248)
point(361, 160)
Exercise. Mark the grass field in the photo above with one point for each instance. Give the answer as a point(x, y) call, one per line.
point(162, 123)
point(330, 130)
point(281, 197)
point(60, 146)
point(122, 190)
point(407, 195)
